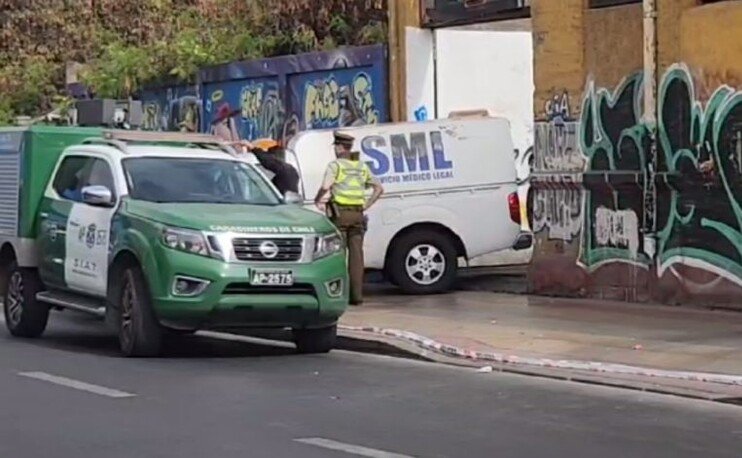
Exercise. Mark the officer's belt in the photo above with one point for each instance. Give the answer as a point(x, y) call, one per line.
point(352, 208)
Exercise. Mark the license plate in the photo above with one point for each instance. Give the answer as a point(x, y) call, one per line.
point(272, 278)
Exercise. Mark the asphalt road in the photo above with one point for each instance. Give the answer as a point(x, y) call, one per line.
point(71, 395)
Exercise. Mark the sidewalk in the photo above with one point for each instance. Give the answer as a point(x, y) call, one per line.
point(683, 347)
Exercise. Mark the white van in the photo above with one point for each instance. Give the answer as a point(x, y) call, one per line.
point(450, 192)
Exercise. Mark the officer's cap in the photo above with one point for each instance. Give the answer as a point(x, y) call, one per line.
point(343, 139)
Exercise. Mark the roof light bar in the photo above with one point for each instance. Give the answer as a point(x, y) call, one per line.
point(161, 137)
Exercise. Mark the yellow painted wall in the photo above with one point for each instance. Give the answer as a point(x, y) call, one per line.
point(402, 14)
point(558, 41)
point(711, 45)
point(668, 29)
point(613, 39)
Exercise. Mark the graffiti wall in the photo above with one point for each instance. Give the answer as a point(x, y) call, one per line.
point(679, 240)
point(700, 215)
point(279, 97)
point(615, 146)
point(173, 108)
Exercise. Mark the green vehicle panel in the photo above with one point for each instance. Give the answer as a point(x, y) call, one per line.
point(206, 264)
point(228, 300)
point(43, 145)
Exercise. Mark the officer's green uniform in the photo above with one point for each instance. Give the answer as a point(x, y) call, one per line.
point(347, 180)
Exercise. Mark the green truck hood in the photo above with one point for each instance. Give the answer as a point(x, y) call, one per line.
point(280, 219)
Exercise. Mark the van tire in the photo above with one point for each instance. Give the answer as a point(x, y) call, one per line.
point(314, 341)
point(140, 334)
point(24, 315)
point(432, 248)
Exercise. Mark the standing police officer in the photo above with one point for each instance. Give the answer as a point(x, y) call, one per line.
point(347, 179)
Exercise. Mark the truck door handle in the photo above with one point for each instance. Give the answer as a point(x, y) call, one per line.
point(43, 215)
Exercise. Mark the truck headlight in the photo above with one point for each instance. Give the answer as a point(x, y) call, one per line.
point(327, 245)
point(185, 240)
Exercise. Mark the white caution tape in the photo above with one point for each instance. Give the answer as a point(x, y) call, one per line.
point(593, 366)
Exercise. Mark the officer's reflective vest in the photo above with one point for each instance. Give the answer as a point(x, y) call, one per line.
point(350, 183)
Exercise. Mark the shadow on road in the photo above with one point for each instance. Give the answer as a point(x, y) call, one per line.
point(78, 333)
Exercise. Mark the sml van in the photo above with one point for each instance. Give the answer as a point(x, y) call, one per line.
point(450, 193)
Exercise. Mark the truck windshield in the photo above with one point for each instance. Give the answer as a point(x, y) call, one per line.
point(185, 180)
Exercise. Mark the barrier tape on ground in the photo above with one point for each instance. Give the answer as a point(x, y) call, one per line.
point(592, 366)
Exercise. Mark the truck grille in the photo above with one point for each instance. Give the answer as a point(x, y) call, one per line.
point(268, 249)
point(248, 289)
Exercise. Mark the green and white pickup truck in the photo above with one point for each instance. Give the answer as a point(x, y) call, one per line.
point(159, 232)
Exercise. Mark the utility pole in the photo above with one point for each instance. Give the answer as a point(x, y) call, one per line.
point(650, 121)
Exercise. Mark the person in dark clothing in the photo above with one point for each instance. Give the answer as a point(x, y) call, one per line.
point(285, 177)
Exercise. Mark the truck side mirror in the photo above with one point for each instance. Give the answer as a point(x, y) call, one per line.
point(97, 196)
point(293, 198)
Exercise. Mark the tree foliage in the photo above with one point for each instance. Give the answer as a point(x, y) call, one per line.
point(125, 45)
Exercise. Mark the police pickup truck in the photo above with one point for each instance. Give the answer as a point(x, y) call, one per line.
point(159, 233)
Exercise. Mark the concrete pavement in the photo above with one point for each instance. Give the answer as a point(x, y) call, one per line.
point(632, 343)
point(211, 397)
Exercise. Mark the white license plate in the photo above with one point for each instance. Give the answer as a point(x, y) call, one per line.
point(272, 278)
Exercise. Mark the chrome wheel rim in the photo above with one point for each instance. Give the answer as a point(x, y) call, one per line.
point(425, 264)
point(14, 301)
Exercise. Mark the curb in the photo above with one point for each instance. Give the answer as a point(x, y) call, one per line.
point(431, 345)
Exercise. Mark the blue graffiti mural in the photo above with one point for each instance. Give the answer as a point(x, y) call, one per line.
point(279, 97)
point(339, 100)
point(254, 108)
point(175, 108)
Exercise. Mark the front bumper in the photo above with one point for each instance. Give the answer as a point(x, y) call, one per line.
point(230, 302)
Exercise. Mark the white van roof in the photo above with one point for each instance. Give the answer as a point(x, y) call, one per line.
point(417, 156)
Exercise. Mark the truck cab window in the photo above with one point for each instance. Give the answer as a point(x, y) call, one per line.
point(197, 181)
point(69, 180)
point(100, 175)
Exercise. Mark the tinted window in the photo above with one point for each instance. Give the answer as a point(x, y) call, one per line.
point(178, 180)
point(100, 175)
point(69, 180)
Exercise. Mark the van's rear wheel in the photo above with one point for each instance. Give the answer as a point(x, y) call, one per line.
point(24, 315)
point(423, 262)
point(140, 334)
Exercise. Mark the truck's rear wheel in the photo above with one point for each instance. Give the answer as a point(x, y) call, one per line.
point(140, 335)
point(24, 315)
point(320, 340)
point(423, 262)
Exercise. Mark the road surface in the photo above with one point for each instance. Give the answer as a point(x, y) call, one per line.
point(69, 394)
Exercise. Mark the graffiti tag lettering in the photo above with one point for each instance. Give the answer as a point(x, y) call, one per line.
point(558, 212)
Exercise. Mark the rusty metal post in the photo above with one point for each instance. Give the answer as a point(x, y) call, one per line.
point(402, 14)
point(650, 121)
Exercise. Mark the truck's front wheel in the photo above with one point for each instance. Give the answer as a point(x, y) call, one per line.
point(320, 340)
point(24, 315)
point(140, 335)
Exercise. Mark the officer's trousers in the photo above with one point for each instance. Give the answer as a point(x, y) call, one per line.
point(351, 224)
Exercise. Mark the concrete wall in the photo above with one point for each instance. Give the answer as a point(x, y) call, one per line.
point(481, 66)
point(592, 209)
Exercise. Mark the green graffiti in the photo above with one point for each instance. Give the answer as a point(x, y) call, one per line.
point(702, 144)
point(699, 150)
point(613, 140)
